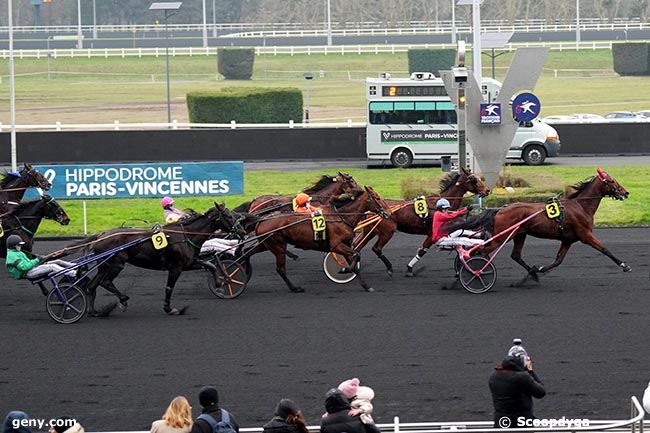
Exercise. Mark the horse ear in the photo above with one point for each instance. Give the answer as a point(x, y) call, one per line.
point(466, 171)
point(601, 173)
point(27, 166)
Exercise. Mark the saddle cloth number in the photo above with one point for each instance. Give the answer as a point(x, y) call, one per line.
point(420, 206)
point(159, 240)
point(318, 223)
point(553, 210)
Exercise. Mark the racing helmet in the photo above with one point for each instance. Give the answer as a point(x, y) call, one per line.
point(166, 201)
point(443, 203)
point(302, 199)
point(14, 240)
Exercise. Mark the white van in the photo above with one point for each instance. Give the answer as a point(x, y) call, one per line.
point(411, 119)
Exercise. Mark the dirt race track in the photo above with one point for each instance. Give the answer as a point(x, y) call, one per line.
point(427, 351)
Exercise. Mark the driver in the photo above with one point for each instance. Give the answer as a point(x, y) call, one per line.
point(20, 266)
point(443, 215)
point(303, 203)
point(170, 213)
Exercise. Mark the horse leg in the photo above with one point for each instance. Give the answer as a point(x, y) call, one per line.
point(564, 248)
point(91, 292)
point(352, 258)
point(279, 250)
point(424, 247)
point(382, 240)
point(592, 241)
point(172, 278)
point(291, 255)
point(519, 239)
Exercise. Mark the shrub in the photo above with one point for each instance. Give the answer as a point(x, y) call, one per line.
point(236, 63)
point(430, 60)
point(631, 58)
point(245, 105)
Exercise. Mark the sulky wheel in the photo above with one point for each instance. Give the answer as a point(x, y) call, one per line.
point(479, 282)
point(229, 280)
point(333, 265)
point(67, 304)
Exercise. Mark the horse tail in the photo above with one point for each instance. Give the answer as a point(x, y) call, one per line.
point(484, 221)
point(243, 207)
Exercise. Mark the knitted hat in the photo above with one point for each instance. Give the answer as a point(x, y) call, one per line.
point(12, 416)
point(285, 408)
point(335, 401)
point(350, 387)
point(208, 396)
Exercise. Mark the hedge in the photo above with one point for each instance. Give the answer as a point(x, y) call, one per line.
point(430, 60)
point(245, 105)
point(236, 63)
point(631, 58)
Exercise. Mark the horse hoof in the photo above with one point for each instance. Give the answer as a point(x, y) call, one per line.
point(409, 273)
point(172, 311)
point(370, 290)
point(625, 267)
point(123, 306)
point(344, 271)
point(389, 272)
point(297, 290)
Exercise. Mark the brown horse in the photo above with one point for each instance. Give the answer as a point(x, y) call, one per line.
point(342, 213)
point(322, 192)
point(575, 223)
point(404, 219)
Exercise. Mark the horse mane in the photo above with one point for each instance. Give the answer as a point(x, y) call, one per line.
point(447, 181)
point(578, 188)
point(324, 181)
point(5, 178)
point(346, 198)
point(243, 207)
point(190, 216)
point(22, 206)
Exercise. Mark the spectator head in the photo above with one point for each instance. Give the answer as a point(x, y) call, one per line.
point(179, 413)
point(65, 424)
point(514, 362)
point(12, 420)
point(285, 408)
point(349, 388)
point(208, 396)
point(335, 401)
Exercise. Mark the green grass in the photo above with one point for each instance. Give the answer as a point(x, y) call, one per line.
point(103, 214)
point(102, 90)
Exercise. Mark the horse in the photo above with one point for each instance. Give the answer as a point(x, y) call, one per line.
point(343, 213)
point(25, 218)
point(14, 185)
point(575, 222)
point(185, 238)
point(322, 191)
point(452, 187)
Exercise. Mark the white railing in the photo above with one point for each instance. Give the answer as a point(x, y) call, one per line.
point(440, 29)
point(632, 425)
point(118, 126)
point(588, 23)
point(278, 50)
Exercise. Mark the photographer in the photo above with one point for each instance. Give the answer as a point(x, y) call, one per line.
point(513, 385)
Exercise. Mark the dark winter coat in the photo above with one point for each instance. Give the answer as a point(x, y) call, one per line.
point(201, 426)
point(279, 425)
point(513, 389)
point(338, 420)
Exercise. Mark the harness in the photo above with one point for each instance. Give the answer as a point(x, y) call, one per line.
point(555, 211)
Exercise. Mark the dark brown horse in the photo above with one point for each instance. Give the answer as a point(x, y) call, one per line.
point(342, 214)
point(25, 218)
point(322, 191)
point(575, 224)
point(404, 219)
point(14, 185)
point(184, 238)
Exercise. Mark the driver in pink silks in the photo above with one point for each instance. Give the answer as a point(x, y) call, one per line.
point(443, 214)
point(214, 245)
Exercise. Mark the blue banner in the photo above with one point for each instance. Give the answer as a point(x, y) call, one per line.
point(96, 181)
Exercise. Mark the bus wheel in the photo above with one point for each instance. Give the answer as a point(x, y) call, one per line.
point(534, 155)
point(401, 158)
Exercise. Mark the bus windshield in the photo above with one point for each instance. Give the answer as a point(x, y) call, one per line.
point(412, 113)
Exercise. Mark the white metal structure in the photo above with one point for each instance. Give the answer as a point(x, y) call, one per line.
point(414, 119)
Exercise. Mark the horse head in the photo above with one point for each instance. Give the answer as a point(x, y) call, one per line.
point(33, 178)
point(472, 183)
point(376, 203)
point(53, 211)
point(611, 187)
point(227, 220)
point(347, 180)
